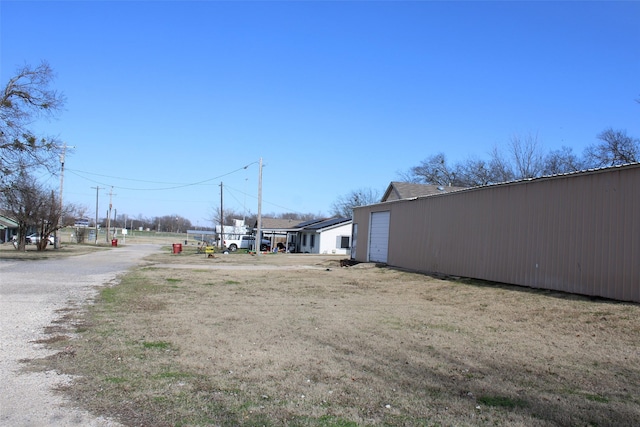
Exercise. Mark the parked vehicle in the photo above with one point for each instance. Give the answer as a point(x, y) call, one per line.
point(34, 239)
point(245, 242)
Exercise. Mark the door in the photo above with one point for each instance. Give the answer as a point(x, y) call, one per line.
point(379, 236)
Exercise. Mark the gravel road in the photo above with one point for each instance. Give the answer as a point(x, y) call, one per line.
point(30, 293)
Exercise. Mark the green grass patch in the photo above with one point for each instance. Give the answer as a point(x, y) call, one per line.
point(323, 421)
point(596, 398)
point(115, 380)
point(172, 280)
point(172, 375)
point(108, 295)
point(502, 401)
point(160, 345)
point(226, 282)
point(588, 396)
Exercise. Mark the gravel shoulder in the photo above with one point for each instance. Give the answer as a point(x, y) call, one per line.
point(33, 294)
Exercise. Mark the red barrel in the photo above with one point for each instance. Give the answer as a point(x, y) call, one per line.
point(114, 242)
point(177, 248)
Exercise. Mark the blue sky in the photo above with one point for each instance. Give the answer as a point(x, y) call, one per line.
point(165, 100)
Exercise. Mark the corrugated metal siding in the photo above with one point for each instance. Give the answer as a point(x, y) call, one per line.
point(577, 233)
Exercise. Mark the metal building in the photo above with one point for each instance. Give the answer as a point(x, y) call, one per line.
point(577, 233)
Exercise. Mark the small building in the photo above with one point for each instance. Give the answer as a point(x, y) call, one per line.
point(576, 232)
point(318, 236)
point(330, 236)
point(232, 231)
point(8, 228)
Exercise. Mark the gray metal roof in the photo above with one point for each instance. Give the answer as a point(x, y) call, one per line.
point(279, 224)
point(282, 225)
point(326, 223)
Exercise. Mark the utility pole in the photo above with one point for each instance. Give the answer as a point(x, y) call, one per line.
point(244, 202)
point(109, 213)
point(97, 189)
point(64, 151)
point(221, 217)
point(259, 227)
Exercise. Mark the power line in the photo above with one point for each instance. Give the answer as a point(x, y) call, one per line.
point(174, 186)
point(124, 179)
point(227, 187)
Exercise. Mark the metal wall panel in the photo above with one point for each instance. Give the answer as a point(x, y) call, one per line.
point(576, 233)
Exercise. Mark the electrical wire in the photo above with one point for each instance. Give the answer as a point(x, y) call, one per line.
point(174, 185)
point(226, 187)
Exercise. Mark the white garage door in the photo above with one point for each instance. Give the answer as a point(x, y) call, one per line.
point(379, 236)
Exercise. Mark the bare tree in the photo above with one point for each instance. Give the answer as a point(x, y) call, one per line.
point(408, 176)
point(500, 167)
point(229, 216)
point(296, 216)
point(32, 206)
point(523, 158)
point(476, 172)
point(527, 156)
point(433, 170)
point(25, 98)
point(615, 148)
point(142, 221)
point(471, 173)
point(47, 220)
point(173, 223)
point(343, 206)
point(72, 212)
point(561, 161)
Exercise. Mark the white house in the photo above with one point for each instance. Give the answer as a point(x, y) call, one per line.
point(329, 236)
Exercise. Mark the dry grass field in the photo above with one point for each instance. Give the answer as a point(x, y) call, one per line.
point(275, 340)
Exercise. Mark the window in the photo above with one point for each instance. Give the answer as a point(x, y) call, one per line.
point(304, 240)
point(313, 240)
point(344, 242)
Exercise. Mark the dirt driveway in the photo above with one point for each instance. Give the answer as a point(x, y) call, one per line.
point(32, 292)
